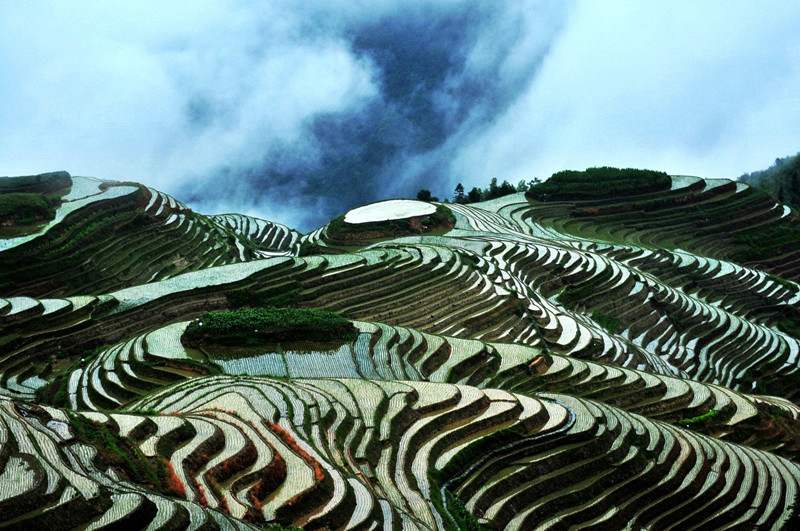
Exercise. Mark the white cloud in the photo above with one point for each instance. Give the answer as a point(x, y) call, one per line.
point(105, 88)
point(167, 93)
point(709, 88)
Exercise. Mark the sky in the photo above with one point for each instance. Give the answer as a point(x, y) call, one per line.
point(296, 111)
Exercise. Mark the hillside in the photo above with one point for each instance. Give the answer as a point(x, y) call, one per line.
point(782, 180)
point(591, 354)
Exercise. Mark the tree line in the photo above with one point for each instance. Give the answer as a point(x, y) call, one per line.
point(475, 195)
point(568, 184)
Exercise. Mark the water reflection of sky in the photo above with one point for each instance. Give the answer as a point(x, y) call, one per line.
point(342, 362)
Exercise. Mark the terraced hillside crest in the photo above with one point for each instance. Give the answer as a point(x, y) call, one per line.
point(561, 359)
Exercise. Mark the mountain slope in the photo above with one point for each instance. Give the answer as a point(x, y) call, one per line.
point(527, 362)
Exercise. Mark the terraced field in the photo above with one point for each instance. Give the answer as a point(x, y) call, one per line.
point(627, 362)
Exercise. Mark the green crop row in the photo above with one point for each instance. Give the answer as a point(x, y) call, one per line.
point(764, 242)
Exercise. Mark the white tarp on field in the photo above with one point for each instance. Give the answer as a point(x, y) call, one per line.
point(386, 210)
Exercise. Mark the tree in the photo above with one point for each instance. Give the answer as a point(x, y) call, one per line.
point(505, 189)
point(522, 186)
point(493, 190)
point(424, 195)
point(474, 195)
point(458, 196)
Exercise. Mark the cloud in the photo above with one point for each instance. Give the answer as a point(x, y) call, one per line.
point(254, 106)
point(297, 111)
point(709, 89)
point(167, 95)
point(439, 74)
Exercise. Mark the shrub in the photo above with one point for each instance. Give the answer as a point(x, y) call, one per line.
point(172, 483)
point(458, 511)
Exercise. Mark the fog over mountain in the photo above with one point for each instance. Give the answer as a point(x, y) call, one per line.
point(296, 111)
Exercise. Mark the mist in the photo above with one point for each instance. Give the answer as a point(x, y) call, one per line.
point(298, 111)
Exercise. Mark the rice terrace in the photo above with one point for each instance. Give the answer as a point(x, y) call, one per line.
point(607, 349)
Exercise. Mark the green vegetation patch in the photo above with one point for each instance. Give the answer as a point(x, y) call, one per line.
point(27, 208)
point(459, 512)
point(790, 321)
point(263, 326)
point(765, 242)
point(699, 419)
point(55, 393)
point(606, 321)
point(122, 453)
point(599, 183)
point(44, 182)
